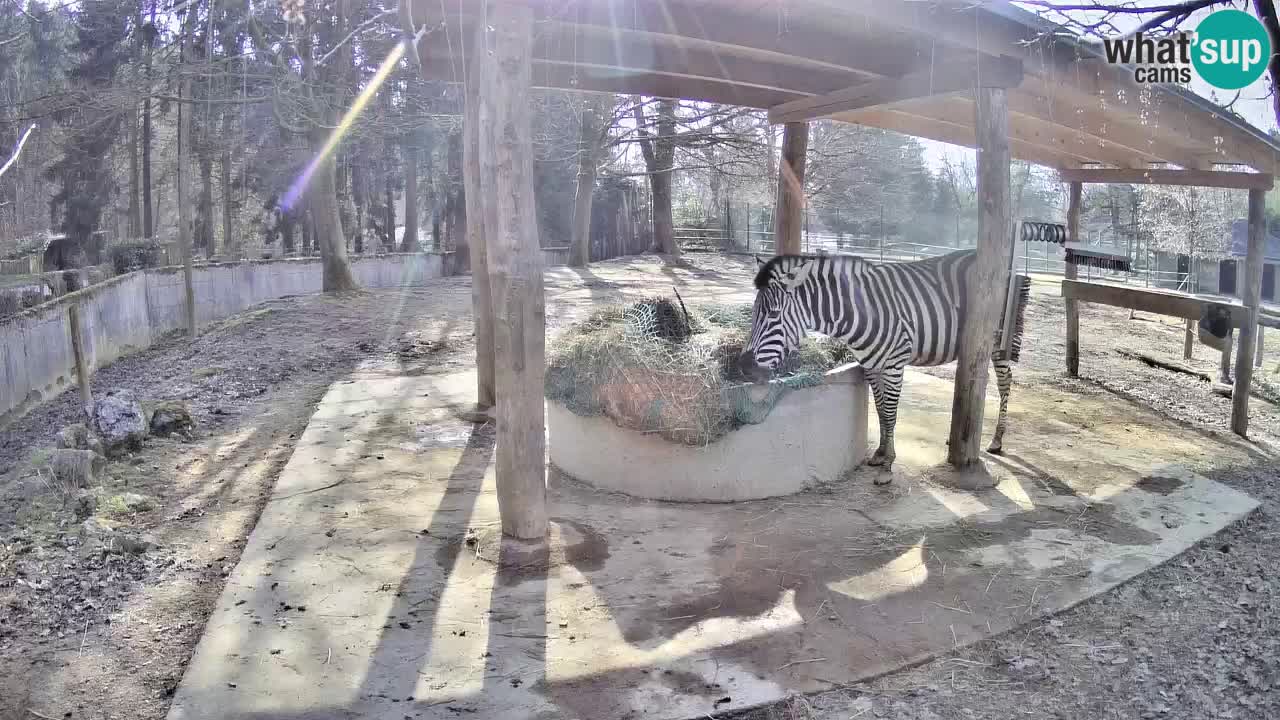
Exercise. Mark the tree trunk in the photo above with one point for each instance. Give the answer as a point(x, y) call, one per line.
point(148, 225)
point(410, 242)
point(473, 250)
point(184, 205)
point(204, 214)
point(456, 205)
point(789, 215)
point(389, 190)
point(430, 195)
point(515, 272)
point(360, 197)
point(135, 209)
point(580, 246)
point(389, 197)
point(659, 155)
point(715, 182)
point(664, 234)
point(771, 163)
point(322, 202)
point(287, 224)
point(229, 241)
point(309, 247)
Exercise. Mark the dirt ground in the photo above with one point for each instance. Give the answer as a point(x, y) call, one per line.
point(91, 633)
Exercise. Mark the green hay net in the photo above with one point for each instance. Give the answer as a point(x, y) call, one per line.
point(659, 367)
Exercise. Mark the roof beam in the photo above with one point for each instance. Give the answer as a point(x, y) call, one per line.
point(1027, 131)
point(718, 26)
point(1002, 72)
point(1198, 178)
point(1098, 127)
point(593, 50)
point(604, 79)
point(1080, 81)
point(955, 132)
point(1165, 118)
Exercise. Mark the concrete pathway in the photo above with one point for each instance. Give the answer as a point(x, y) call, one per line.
point(363, 592)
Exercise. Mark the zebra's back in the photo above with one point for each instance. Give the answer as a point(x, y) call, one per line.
point(927, 300)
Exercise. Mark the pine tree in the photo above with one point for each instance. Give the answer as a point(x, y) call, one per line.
point(92, 121)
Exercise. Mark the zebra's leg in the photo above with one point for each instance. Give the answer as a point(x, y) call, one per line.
point(1004, 380)
point(886, 387)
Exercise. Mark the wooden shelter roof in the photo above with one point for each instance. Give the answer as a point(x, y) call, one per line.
point(903, 65)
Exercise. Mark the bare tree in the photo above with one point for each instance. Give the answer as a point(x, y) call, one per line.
point(1193, 221)
point(590, 145)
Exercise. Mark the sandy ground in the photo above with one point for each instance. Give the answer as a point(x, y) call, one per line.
point(94, 634)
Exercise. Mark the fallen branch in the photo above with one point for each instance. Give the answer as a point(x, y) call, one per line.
point(1257, 389)
point(17, 150)
point(799, 662)
point(1167, 364)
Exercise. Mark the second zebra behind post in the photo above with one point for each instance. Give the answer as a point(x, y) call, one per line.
point(891, 314)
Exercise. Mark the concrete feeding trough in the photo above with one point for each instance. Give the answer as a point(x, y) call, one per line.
point(814, 434)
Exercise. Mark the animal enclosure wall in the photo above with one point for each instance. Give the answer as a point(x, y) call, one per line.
point(129, 312)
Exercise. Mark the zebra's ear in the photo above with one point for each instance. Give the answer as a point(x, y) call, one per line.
point(797, 275)
point(759, 262)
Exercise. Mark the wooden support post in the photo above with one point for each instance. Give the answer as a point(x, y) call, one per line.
point(82, 363)
point(1251, 297)
point(1189, 340)
point(790, 202)
point(515, 269)
point(984, 296)
point(1224, 367)
point(1069, 272)
point(476, 226)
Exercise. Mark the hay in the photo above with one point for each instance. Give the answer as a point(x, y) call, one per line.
point(659, 367)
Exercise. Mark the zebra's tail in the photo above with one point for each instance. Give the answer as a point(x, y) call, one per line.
point(1019, 312)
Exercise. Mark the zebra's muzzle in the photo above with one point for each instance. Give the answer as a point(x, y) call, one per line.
point(750, 369)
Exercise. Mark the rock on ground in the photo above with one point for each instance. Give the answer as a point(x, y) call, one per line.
point(85, 504)
point(76, 468)
point(114, 539)
point(78, 437)
point(170, 417)
point(120, 422)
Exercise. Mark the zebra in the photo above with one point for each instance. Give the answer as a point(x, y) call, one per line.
point(892, 315)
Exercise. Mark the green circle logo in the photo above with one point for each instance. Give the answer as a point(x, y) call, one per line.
point(1231, 49)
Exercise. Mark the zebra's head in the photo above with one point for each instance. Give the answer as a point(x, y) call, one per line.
point(777, 318)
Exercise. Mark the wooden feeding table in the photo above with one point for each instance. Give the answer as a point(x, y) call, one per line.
point(1159, 301)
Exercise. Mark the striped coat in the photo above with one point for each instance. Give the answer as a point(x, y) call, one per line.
point(891, 315)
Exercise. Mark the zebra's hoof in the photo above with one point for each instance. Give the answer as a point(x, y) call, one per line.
point(883, 479)
point(995, 450)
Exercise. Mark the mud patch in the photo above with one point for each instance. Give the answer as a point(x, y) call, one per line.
point(1159, 484)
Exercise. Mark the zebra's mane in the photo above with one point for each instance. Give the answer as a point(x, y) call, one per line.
point(772, 269)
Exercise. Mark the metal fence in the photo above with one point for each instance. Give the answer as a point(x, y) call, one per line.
point(1039, 258)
